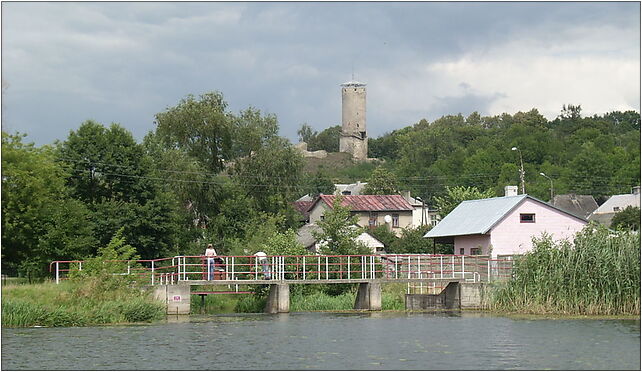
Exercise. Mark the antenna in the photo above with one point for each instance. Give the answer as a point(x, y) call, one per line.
point(352, 70)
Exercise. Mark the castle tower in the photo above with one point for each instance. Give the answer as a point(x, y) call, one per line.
point(354, 138)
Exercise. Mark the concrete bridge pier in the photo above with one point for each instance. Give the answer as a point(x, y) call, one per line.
point(176, 297)
point(368, 297)
point(279, 299)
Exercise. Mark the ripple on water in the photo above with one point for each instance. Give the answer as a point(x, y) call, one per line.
point(331, 341)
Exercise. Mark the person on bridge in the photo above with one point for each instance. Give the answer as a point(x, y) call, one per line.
point(210, 253)
point(261, 258)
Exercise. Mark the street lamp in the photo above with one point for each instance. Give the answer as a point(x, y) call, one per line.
point(549, 178)
point(521, 169)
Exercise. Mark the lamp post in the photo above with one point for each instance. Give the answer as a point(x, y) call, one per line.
point(521, 169)
point(549, 178)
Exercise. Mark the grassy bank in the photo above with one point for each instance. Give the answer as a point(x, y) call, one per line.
point(597, 274)
point(76, 303)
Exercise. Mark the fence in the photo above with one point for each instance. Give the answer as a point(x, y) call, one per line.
point(309, 268)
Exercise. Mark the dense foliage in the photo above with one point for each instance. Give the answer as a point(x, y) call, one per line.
point(597, 273)
point(597, 155)
point(208, 175)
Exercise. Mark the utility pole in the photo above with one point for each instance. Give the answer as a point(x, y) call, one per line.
point(549, 178)
point(521, 169)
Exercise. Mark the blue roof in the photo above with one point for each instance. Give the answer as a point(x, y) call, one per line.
point(479, 216)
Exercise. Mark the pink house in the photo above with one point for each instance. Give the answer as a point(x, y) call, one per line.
point(503, 226)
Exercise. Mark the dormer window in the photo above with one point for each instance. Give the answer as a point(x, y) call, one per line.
point(527, 217)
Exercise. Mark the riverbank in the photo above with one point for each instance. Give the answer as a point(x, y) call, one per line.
point(597, 274)
point(76, 303)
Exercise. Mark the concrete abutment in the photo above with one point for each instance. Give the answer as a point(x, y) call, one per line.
point(368, 297)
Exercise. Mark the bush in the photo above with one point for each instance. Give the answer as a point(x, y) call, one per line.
point(598, 273)
point(142, 311)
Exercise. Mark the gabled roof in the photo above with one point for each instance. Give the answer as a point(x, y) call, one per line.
point(368, 203)
point(473, 217)
point(579, 205)
point(621, 201)
point(302, 206)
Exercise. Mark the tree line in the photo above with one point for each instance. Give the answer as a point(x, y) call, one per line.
point(205, 174)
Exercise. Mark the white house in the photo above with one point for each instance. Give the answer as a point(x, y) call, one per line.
point(616, 203)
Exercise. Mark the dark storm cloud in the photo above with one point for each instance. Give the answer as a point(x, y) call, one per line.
point(124, 62)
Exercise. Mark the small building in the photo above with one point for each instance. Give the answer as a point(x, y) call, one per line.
point(302, 205)
point(305, 236)
point(422, 213)
point(503, 226)
point(370, 209)
point(579, 205)
point(349, 188)
point(616, 203)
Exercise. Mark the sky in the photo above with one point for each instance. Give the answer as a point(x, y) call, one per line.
point(123, 62)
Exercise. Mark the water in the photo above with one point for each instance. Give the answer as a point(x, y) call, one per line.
point(331, 341)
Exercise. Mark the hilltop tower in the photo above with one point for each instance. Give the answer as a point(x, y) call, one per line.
point(354, 138)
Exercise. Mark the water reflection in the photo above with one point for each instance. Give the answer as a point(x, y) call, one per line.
point(331, 341)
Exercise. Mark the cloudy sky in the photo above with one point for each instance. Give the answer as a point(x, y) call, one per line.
point(63, 63)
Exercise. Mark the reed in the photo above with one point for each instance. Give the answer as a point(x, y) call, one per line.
point(75, 303)
point(596, 274)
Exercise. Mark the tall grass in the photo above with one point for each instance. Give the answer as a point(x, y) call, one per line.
point(596, 274)
point(76, 303)
point(305, 298)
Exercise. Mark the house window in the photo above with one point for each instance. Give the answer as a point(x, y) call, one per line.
point(322, 217)
point(346, 192)
point(527, 217)
point(475, 251)
point(372, 221)
point(395, 220)
point(615, 209)
point(462, 250)
point(434, 220)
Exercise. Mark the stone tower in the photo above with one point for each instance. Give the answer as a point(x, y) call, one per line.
point(354, 138)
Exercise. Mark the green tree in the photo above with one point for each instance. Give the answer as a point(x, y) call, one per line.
point(306, 133)
point(317, 184)
point(383, 234)
point(327, 140)
point(589, 171)
point(272, 175)
point(338, 232)
point(283, 244)
point(251, 131)
point(201, 127)
point(105, 163)
point(382, 182)
point(455, 195)
point(627, 219)
point(412, 241)
point(40, 223)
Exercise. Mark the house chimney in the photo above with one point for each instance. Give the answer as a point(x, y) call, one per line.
point(510, 190)
point(636, 190)
point(406, 195)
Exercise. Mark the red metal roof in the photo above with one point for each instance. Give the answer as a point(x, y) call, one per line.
point(372, 203)
point(302, 206)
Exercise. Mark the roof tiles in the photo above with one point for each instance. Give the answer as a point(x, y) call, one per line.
point(371, 203)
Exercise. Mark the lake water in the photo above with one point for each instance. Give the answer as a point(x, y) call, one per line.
point(330, 341)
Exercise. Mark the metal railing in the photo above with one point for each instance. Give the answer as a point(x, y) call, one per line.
point(308, 268)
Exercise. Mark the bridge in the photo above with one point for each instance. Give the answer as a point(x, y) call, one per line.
point(173, 278)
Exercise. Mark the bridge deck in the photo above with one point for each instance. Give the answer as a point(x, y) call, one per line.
point(317, 281)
